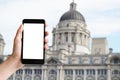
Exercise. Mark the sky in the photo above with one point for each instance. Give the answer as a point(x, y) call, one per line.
point(102, 17)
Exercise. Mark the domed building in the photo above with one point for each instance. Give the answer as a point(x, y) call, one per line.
point(72, 33)
point(70, 56)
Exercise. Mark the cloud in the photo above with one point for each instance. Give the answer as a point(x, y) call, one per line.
point(103, 26)
point(102, 16)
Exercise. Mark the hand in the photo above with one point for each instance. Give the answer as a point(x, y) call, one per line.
point(13, 63)
point(17, 46)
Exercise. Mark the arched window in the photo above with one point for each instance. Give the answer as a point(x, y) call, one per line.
point(28, 78)
point(37, 78)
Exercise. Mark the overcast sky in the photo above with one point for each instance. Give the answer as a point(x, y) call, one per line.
point(102, 17)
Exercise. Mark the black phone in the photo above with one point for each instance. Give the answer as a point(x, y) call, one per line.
point(33, 35)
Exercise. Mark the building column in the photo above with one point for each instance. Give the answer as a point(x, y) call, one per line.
point(45, 74)
point(82, 39)
point(58, 74)
point(61, 74)
point(14, 76)
point(88, 42)
point(69, 37)
point(55, 45)
point(109, 73)
point(23, 75)
point(42, 78)
point(33, 74)
point(77, 37)
point(96, 74)
point(85, 74)
point(62, 38)
point(73, 74)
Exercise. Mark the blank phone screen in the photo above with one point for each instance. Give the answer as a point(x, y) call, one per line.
point(33, 41)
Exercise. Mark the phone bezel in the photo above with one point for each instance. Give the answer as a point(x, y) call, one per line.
point(33, 61)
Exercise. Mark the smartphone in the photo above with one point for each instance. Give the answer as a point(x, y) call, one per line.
point(33, 35)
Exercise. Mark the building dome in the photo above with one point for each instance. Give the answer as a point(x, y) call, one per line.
point(72, 14)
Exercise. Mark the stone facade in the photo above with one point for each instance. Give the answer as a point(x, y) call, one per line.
point(76, 67)
point(70, 57)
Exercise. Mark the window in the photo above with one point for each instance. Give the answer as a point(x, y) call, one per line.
point(53, 39)
point(91, 71)
point(102, 71)
point(116, 61)
point(91, 61)
point(115, 72)
point(66, 37)
point(102, 60)
point(28, 71)
point(80, 60)
point(105, 71)
point(67, 25)
point(73, 37)
point(68, 72)
point(37, 71)
point(85, 37)
point(20, 71)
point(79, 71)
point(52, 72)
point(59, 38)
point(80, 35)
